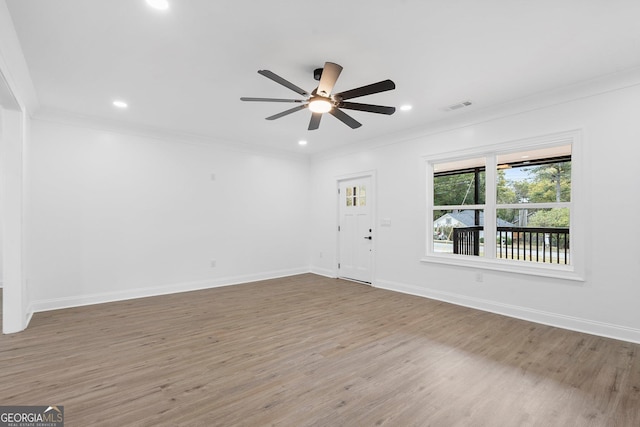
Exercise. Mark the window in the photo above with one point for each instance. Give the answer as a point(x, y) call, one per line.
point(356, 196)
point(509, 207)
point(459, 189)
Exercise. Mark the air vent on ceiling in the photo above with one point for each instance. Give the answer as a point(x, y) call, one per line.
point(458, 106)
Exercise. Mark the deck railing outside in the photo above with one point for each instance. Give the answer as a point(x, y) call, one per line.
point(536, 244)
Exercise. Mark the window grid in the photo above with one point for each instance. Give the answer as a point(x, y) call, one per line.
point(518, 238)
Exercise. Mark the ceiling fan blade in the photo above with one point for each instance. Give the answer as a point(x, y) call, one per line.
point(244, 98)
point(369, 108)
point(345, 118)
point(330, 74)
point(382, 86)
point(276, 78)
point(284, 113)
point(314, 123)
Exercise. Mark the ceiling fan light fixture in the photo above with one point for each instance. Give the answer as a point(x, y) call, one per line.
point(320, 105)
point(323, 100)
point(159, 4)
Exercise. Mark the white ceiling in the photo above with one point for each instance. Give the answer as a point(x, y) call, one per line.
point(184, 70)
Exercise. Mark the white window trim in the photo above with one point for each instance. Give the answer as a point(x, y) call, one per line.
point(577, 237)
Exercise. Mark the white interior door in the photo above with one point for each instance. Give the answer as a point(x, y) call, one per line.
point(355, 230)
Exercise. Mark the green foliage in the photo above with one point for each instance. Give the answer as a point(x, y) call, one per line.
point(550, 218)
point(457, 189)
point(506, 192)
point(550, 183)
point(546, 183)
point(509, 215)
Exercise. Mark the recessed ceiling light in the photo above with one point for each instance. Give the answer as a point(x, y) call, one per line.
point(302, 142)
point(159, 4)
point(405, 107)
point(120, 104)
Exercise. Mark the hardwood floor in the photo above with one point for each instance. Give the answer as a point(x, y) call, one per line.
point(313, 351)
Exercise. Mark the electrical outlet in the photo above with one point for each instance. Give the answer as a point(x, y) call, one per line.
point(479, 277)
point(213, 263)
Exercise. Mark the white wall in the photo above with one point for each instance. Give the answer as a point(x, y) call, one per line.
point(606, 303)
point(113, 215)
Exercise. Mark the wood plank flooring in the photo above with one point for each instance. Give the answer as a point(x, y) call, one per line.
point(313, 351)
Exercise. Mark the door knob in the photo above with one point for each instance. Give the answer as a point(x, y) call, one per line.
point(368, 237)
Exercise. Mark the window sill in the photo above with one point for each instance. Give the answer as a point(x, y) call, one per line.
point(565, 272)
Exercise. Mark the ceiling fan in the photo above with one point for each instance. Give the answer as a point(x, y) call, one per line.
point(321, 100)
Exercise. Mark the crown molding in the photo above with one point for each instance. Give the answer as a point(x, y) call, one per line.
point(67, 118)
point(589, 88)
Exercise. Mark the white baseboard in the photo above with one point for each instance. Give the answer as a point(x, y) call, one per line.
point(323, 272)
point(538, 316)
point(100, 298)
point(592, 327)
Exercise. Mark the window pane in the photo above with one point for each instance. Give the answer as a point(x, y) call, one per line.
point(528, 200)
point(459, 183)
point(535, 176)
point(537, 235)
point(458, 232)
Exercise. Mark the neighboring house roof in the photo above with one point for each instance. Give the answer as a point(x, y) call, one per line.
point(467, 218)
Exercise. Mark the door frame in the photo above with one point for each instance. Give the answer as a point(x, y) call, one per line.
point(13, 134)
point(372, 200)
